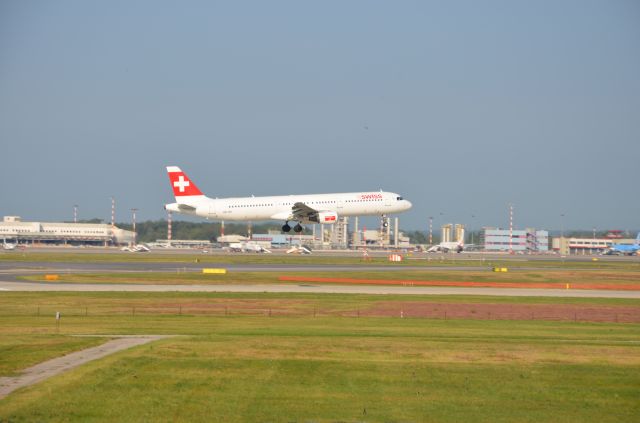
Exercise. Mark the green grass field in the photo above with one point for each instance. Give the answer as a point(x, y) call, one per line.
point(575, 277)
point(91, 304)
point(19, 351)
point(324, 369)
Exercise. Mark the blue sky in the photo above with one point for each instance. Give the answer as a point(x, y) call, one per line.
point(462, 106)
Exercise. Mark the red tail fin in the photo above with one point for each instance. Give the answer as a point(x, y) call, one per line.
point(181, 184)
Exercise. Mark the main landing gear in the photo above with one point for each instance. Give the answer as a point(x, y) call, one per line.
point(287, 228)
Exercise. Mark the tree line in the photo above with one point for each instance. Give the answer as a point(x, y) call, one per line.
point(152, 230)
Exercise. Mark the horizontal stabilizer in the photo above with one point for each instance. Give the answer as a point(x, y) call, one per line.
point(177, 207)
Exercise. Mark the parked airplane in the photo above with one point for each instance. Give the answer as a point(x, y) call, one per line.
point(247, 247)
point(8, 246)
point(445, 247)
point(298, 249)
point(627, 249)
point(140, 248)
point(311, 208)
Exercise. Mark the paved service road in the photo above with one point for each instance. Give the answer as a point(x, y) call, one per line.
point(58, 365)
point(319, 289)
point(97, 267)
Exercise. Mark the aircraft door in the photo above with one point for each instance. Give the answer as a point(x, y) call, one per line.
point(387, 201)
point(213, 210)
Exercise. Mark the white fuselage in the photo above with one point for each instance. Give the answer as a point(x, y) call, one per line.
point(280, 207)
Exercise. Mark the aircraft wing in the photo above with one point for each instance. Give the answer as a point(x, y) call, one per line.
point(302, 212)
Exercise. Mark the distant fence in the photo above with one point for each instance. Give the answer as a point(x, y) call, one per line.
point(413, 310)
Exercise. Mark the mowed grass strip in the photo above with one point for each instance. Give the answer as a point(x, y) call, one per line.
point(335, 369)
point(560, 278)
point(44, 305)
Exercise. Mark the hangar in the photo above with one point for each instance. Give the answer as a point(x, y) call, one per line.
point(99, 234)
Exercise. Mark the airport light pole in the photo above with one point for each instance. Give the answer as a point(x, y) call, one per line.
point(133, 211)
point(473, 217)
point(510, 228)
point(75, 213)
point(430, 230)
point(561, 233)
point(113, 213)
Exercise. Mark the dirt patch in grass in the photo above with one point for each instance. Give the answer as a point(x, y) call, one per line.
point(576, 312)
point(400, 308)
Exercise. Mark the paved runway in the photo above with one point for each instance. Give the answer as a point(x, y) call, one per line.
point(466, 255)
point(11, 270)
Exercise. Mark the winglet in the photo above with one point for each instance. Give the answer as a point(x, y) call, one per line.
point(181, 184)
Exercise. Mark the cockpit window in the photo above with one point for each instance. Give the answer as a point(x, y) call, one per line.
point(399, 198)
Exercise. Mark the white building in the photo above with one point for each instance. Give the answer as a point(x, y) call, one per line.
point(13, 228)
point(586, 246)
point(278, 240)
point(518, 240)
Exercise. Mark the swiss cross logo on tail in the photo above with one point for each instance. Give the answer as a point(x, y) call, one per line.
point(181, 184)
point(329, 218)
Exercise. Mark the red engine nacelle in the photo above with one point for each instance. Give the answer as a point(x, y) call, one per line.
point(327, 217)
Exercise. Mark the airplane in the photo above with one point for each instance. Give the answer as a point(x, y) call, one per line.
point(298, 249)
point(7, 245)
point(626, 249)
point(140, 248)
point(445, 247)
point(302, 209)
point(247, 247)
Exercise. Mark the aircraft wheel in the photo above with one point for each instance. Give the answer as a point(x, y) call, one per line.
point(298, 228)
point(385, 221)
point(286, 227)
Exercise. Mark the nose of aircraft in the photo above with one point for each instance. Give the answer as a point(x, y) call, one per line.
point(407, 204)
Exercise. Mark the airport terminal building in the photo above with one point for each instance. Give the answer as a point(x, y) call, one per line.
point(586, 246)
point(12, 228)
point(518, 240)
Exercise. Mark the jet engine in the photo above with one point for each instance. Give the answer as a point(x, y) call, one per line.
point(327, 217)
